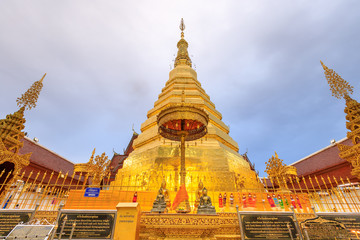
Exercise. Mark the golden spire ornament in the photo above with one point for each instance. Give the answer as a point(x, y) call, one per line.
point(182, 55)
point(11, 127)
point(182, 27)
point(97, 167)
point(277, 171)
point(11, 131)
point(341, 89)
point(338, 86)
point(29, 98)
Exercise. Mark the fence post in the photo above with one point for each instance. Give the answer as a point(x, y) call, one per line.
point(34, 212)
point(297, 223)
point(57, 221)
point(240, 223)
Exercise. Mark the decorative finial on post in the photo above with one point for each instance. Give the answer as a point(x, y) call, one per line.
point(182, 27)
point(338, 86)
point(29, 98)
point(277, 170)
point(97, 168)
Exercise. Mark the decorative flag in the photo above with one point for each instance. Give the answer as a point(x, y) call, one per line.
point(244, 201)
point(286, 202)
point(280, 202)
point(271, 201)
point(250, 202)
point(181, 196)
point(276, 201)
point(135, 197)
point(231, 199)
point(7, 202)
point(292, 201)
point(298, 201)
point(220, 201)
point(254, 201)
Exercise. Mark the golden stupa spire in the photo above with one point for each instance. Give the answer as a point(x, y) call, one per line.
point(338, 86)
point(11, 127)
point(341, 89)
point(182, 55)
point(11, 134)
point(29, 98)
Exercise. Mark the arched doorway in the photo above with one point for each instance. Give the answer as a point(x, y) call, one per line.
point(7, 166)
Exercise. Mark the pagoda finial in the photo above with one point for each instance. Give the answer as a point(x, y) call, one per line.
point(338, 86)
point(182, 55)
point(134, 132)
point(29, 98)
point(182, 27)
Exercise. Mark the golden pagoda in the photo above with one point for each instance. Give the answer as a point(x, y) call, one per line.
point(213, 159)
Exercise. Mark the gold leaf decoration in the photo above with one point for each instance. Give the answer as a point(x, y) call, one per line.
point(29, 98)
point(277, 170)
point(97, 167)
point(338, 86)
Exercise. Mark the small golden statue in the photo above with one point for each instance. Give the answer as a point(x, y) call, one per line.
point(199, 194)
point(159, 205)
point(166, 194)
point(205, 205)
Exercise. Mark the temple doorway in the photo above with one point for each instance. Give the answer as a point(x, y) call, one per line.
point(4, 179)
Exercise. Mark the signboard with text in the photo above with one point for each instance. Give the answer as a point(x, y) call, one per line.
point(90, 224)
point(268, 225)
point(10, 218)
point(351, 222)
point(92, 192)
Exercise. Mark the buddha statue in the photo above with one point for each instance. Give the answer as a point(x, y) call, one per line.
point(199, 194)
point(159, 205)
point(166, 194)
point(205, 205)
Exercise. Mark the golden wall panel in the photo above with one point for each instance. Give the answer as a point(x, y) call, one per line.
point(217, 168)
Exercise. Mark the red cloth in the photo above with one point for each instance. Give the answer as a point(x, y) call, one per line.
point(181, 195)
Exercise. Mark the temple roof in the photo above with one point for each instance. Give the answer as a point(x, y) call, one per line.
point(325, 161)
point(46, 158)
point(117, 160)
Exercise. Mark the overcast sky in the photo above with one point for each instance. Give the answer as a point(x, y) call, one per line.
point(107, 61)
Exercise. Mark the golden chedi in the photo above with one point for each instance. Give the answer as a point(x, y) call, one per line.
point(212, 159)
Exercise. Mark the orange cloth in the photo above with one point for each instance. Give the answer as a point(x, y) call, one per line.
point(181, 195)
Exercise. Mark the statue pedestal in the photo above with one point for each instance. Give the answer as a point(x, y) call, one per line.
point(127, 221)
point(174, 226)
